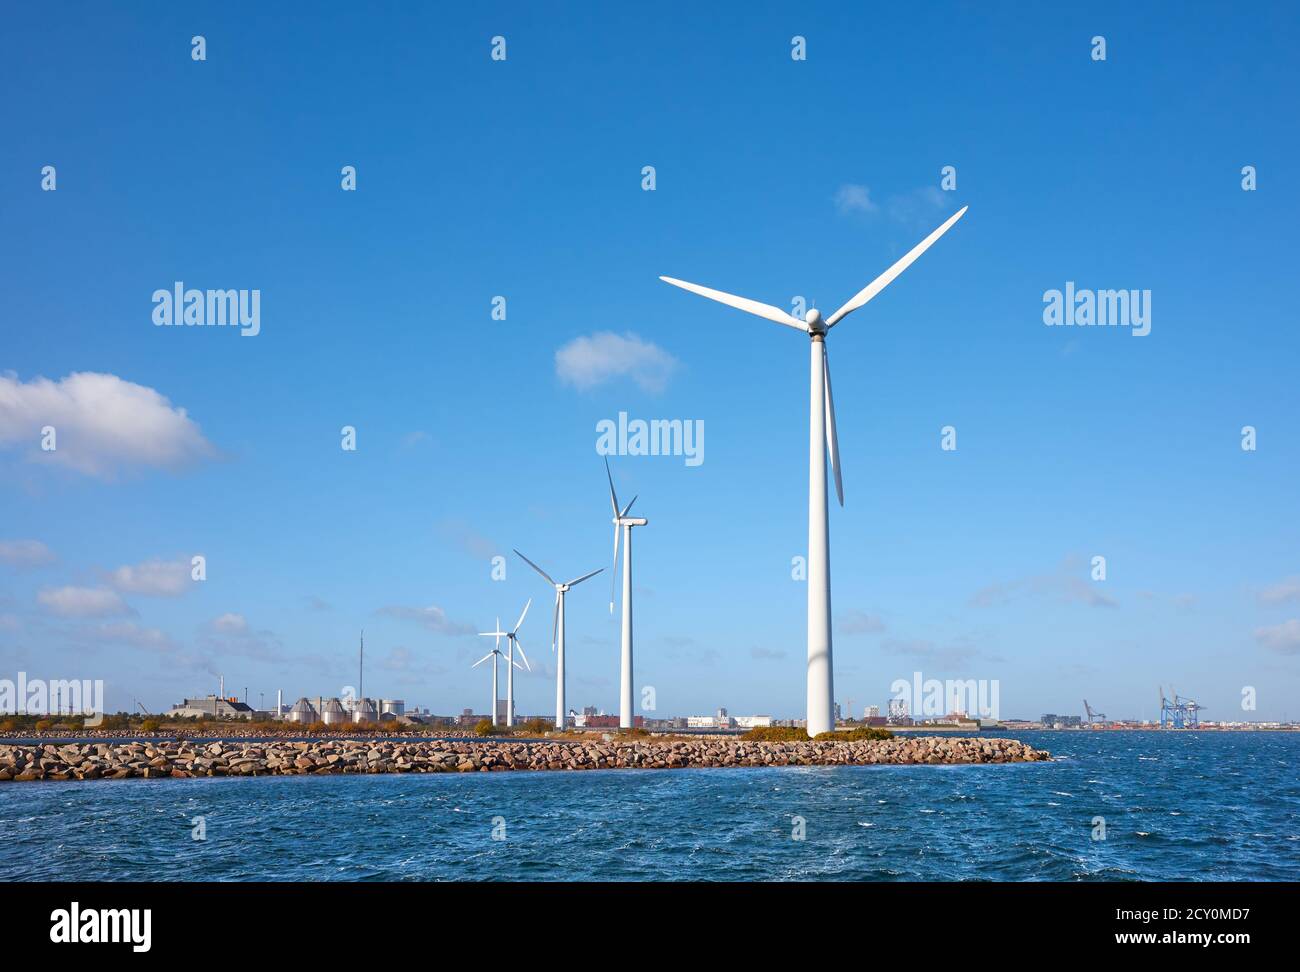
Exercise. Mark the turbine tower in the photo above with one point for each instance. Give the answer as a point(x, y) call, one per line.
point(511, 664)
point(557, 633)
point(821, 441)
point(494, 654)
point(623, 524)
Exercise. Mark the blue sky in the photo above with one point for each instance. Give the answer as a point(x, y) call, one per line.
point(775, 178)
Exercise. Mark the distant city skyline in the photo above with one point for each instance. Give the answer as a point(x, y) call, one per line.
point(445, 354)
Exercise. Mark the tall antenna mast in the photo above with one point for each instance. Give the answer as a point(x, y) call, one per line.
point(361, 670)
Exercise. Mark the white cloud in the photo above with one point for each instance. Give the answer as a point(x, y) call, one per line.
point(103, 425)
point(82, 602)
point(1066, 584)
point(230, 624)
point(1282, 638)
point(130, 633)
point(231, 634)
point(586, 362)
point(1281, 592)
point(25, 553)
point(853, 198)
point(156, 578)
point(910, 209)
point(917, 206)
point(857, 622)
point(432, 618)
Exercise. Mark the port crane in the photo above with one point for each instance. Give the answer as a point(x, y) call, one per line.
point(1178, 712)
point(1094, 718)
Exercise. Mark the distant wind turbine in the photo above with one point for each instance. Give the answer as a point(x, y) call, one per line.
point(821, 441)
point(623, 524)
point(511, 664)
point(494, 654)
point(557, 632)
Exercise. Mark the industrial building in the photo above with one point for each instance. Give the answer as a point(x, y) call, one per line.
point(1052, 721)
point(211, 707)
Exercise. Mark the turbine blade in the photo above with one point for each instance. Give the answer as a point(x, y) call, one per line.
point(555, 622)
point(629, 506)
point(886, 278)
point(522, 655)
point(522, 614)
point(484, 658)
point(535, 567)
point(832, 440)
point(584, 577)
point(613, 496)
point(517, 665)
point(740, 303)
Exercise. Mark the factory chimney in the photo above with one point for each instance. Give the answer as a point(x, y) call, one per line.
point(361, 669)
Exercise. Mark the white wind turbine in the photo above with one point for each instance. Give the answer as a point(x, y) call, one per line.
point(511, 664)
point(557, 633)
point(623, 524)
point(494, 654)
point(821, 440)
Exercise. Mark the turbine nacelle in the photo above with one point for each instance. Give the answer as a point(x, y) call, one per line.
point(814, 321)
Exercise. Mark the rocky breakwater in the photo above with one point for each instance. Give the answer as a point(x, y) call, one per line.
point(89, 761)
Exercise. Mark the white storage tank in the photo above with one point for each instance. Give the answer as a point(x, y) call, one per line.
point(302, 711)
point(364, 711)
point(392, 707)
point(332, 713)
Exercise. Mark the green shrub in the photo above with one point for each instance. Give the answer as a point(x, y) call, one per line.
point(149, 725)
point(484, 728)
point(537, 727)
point(776, 734)
point(795, 734)
point(855, 735)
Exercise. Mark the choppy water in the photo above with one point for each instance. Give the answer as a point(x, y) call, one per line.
point(1177, 806)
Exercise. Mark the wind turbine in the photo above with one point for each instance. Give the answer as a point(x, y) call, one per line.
point(557, 633)
point(623, 524)
point(821, 440)
point(511, 664)
point(494, 654)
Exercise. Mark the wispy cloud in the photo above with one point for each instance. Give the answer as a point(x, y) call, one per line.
point(1283, 592)
point(82, 602)
point(1066, 584)
point(910, 208)
point(154, 578)
point(919, 205)
point(589, 361)
point(854, 198)
point(431, 618)
point(766, 654)
point(1282, 638)
point(957, 653)
point(462, 535)
point(859, 622)
point(231, 634)
point(102, 424)
point(128, 633)
point(26, 554)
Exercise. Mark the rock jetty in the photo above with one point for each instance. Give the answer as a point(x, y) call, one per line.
point(188, 758)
